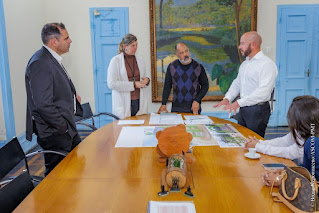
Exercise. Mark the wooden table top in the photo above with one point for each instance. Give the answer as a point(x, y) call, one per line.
point(96, 177)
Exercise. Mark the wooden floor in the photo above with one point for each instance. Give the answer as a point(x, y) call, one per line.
point(36, 167)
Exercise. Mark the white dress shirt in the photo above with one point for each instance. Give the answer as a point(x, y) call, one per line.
point(284, 147)
point(59, 59)
point(255, 81)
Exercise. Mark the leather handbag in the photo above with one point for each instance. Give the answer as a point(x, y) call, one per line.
point(296, 190)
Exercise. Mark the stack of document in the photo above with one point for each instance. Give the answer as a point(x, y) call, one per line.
point(170, 207)
point(197, 119)
point(166, 119)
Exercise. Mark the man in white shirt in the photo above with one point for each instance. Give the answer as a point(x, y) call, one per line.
point(255, 83)
point(51, 96)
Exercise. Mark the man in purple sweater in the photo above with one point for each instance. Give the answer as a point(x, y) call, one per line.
point(189, 81)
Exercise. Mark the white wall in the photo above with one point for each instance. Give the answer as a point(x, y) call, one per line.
point(75, 15)
point(24, 20)
point(267, 21)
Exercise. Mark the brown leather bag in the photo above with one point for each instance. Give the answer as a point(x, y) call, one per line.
point(296, 190)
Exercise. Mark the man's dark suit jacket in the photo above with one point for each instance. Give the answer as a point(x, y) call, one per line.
point(50, 97)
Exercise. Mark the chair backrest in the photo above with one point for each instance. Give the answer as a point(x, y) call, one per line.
point(11, 154)
point(87, 112)
point(12, 194)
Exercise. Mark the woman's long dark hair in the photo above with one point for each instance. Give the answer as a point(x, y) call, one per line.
point(303, 115)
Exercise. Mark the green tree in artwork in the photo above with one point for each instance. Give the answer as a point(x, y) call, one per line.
point(161, 14)
point(224, 76)
point(237, 4)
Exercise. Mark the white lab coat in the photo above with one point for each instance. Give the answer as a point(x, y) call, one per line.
point(117, 80)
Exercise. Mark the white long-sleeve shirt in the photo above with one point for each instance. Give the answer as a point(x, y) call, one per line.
point(255, 81)
point(284, 147)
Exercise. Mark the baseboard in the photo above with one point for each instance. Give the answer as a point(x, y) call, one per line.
point(2, 143)
point(25, 144)
point(222, 115)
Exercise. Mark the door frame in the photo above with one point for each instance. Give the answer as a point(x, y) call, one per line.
point(5, 79)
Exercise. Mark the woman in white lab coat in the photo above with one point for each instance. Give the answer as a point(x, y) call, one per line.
point(127, 78)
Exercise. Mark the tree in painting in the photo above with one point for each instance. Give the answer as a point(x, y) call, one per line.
point(237, 4)
point(211, 29)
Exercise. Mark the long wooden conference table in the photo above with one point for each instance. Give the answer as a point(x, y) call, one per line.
point(97, 177)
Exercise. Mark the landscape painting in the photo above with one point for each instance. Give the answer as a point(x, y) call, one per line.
point(210, 28)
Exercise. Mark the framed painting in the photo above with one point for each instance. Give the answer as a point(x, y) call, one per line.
point(210, 28)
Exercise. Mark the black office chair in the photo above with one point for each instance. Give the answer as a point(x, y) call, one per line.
point(88, 115)
point(12, 154)
point(13, 192)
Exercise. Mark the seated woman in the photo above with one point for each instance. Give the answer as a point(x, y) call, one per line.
point(312, 144)
point(303, 111)
point(127, 78)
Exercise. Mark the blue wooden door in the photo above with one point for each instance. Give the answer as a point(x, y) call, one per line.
point(108, 26)
point(314, 66)
point(296, 56)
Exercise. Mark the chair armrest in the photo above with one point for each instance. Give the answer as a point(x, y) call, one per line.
point(60, 152)
point(86, 124)
point(108, 114)
point(5, 182)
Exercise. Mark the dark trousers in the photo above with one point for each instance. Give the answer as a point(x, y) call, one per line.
point(57, 143)
point(135, 106)
point(185, 107)
point(255, 117)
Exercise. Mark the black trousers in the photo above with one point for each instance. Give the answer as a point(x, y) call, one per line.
point(255, 117)
point(135, 106)
point(184, 107)
point(57, 142)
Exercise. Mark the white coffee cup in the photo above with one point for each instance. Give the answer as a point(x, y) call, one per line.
point(252, 152)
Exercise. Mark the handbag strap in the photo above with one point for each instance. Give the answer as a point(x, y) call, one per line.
point(274, 195)
point(296, 186)
point(288, 204)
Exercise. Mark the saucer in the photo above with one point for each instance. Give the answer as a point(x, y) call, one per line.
point(256, 156)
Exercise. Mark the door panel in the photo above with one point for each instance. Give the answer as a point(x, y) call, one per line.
point(108, 26)
point(294, 47)
point(296, 62)
point(314, 68)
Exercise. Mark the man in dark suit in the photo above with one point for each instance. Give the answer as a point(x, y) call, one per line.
point(51, 96)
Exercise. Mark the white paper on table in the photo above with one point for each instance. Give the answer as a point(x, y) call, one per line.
point(230, 140)
point(166, 119)
point(130, 136)
point(171, 207)
point(130, 122)
point(197, 119)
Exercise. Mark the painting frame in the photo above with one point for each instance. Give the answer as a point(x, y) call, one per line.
point(153, 50)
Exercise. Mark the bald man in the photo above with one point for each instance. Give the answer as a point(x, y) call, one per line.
point(189, 81)
point(255, 83)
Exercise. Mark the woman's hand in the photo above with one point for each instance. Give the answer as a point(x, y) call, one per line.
point(139, 84)
point(271, 175)
point(251, 142)
point(145, 80)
